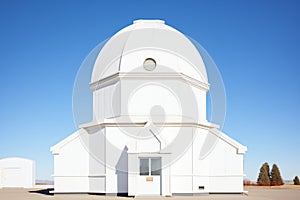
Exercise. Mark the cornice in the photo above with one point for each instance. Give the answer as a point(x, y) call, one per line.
point(147, 76)
point(142, 124)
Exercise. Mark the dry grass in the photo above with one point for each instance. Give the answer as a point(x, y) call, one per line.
point(287, 185)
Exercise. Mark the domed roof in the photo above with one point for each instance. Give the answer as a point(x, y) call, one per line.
point(128, 49)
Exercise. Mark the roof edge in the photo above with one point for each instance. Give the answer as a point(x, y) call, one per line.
point(20, 158)
point(241, 149)
point(55, 149)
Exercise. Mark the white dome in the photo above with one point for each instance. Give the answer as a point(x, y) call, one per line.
point(127, 50)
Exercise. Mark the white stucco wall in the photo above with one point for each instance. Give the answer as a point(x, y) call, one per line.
point(139, 95)
point(218, 166)
point(71, 163)
point(226, 169)
point(218, 170)
point(106, 102)
point(17, 172)
point(116, 161)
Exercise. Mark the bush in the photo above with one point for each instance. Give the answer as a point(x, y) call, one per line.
point(296, 181)
point(264, 175)
point(275, 176)
point(247, 182)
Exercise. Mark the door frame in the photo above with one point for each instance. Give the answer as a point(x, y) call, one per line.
point(134, 172)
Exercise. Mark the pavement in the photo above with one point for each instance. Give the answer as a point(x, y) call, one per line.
point(253, 194)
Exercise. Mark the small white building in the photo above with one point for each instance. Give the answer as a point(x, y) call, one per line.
point(149, 134)
point(17, 172)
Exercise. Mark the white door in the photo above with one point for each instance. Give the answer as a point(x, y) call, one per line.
point(149, 180)
point(11, 177)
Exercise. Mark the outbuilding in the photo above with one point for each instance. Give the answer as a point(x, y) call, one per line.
point(17, 172)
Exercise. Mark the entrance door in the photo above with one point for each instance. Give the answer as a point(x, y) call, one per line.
point(150, 176)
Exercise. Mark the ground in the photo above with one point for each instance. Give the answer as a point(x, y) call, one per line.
point(254, 192)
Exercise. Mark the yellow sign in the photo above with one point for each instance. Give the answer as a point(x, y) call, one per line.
point(149, 179)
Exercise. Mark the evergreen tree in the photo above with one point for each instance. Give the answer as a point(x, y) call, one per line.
point(266, 165)
point(275, 176)
point(264, 175)
point(296, 181)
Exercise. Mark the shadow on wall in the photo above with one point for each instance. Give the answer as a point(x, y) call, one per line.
point(122, 173)
point(43, 191)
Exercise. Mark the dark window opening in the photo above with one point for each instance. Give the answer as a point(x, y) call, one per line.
point(150, 166)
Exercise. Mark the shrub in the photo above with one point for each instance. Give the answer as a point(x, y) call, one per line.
point(247, 182)
point(296, 181)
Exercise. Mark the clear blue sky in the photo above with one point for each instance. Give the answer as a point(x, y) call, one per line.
point(255, 44)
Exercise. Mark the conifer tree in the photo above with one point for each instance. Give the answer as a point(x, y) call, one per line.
point(296, 181)
point(266, 165)
point(264, 175)
point(275, 176)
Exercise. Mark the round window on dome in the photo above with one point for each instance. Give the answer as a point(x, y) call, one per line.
point(149, 64)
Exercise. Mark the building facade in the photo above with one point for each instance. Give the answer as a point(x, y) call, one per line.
point(149, 134)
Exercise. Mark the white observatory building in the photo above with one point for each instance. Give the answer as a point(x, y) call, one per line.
point(149, 134)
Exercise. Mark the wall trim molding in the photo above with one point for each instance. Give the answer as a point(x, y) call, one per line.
point(114, 78)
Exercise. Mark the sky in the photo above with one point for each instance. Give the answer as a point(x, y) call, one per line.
point(255, 44)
